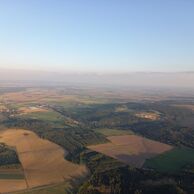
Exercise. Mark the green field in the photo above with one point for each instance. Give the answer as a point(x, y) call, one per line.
point(11, 176)
point(113, 132)
point(45, 116)
point(11, 171)
point(172, 161)
point(63, 188)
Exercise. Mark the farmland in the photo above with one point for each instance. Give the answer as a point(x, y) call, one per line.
point(11, 172)
point(11, 185)
point(58, 188)
point(112, 132)
point(45, 116)
point(172, 161)
point(43, 162)
point(31, 109)
point(90, 140)
point(131, 149)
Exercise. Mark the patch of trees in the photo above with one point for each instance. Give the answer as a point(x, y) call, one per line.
point(175, 126)
point(136, 181)
point(8, 155)
point(72, 139)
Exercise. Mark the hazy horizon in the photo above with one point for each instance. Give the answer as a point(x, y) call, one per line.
point(123, 43)
point(124, 80)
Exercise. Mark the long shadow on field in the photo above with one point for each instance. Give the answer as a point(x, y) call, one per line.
point(135, 160)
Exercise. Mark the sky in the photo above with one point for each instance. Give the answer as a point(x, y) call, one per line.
point(97, 35)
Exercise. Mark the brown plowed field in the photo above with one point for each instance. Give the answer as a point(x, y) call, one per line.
point(131, 149)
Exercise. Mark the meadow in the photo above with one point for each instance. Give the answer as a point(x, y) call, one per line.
point(112, 132)
point(173, 161)
point(49, 116)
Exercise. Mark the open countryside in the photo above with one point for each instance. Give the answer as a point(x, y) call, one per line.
point(43, 161)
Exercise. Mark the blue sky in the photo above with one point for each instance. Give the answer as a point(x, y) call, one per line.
point(97, 35)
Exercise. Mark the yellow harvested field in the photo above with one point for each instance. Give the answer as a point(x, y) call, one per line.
point(38, 95)
point(45, 96)
point(30, 96)
point(43, 161)
point(12, 185)
point(131, 149)
point(26, 110)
